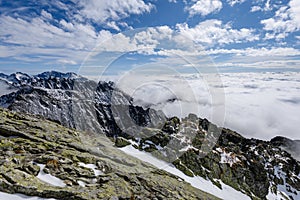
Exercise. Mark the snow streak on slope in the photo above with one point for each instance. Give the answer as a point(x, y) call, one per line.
point(6, 196)
point(226, 193)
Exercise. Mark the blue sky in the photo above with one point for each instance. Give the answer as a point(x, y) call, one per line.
point(90, 35)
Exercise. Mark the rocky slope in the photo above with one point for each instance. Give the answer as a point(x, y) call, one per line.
point(42, 158)
point(260, 169)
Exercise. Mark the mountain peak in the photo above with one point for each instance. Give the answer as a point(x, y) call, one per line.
point(56, 74)
point(22, 79)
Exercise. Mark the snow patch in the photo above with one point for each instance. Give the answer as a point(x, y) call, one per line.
point(18, 196)
point(81, 183)
point(92, 167)
point(48, 178)
point(284, 191)
point(229, 158)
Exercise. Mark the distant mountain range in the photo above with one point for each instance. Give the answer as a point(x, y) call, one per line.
point(195, 146)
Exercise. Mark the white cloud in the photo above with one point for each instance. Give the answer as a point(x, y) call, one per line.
point(69, 41)
point(212, 32)
point(68, 62)
point(104, 10)
point(67, 25)
point(255, 8)
point(268, 6)
point(205, 7)
point(144, 41)
point(152, 35)
point(113, 25)
point(51, 56)
point(250, 58)
point(120, 43)
point(285, 21)
point(182, 40)
point(261, 52)
point(32, 33)
point(46, 14)
point(75, 33)
point(275, 52)
point(233, 2)
point(261, 63)
point(258, 58)
point(263, 101)
point(265, 8)
point(38, 38)
point(48, 42)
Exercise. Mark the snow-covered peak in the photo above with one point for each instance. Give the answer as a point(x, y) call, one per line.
point(16, 79)
point(55, 74)
point(50, 79)
point(3, 76)
point(21, 76)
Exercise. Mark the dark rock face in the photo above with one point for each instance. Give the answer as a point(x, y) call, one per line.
point(139, 115)
point(172, 125)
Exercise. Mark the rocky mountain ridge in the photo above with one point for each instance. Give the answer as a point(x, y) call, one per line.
point(76, 102)
point(42, 158)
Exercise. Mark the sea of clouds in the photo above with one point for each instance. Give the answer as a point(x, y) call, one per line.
point(258, 105)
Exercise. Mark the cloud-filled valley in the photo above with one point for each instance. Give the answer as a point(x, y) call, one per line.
point(259, 105)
